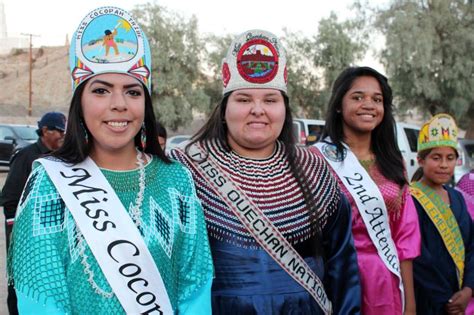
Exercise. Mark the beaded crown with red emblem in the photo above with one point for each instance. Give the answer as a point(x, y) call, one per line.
point(255, 59)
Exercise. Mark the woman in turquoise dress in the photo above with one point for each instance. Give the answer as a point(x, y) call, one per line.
point(75, 257)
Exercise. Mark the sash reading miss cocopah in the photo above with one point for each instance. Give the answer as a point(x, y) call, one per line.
point(370, 204)
point(111, 235)
point(259, 226)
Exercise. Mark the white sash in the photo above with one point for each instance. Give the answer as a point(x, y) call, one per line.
point(259, 226)
point(370, 204)
point(111, 235)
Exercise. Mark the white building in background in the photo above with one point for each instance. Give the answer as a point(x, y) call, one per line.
point(8, 43)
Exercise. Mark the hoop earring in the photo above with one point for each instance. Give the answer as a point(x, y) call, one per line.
point(86, 134)
point(143, 135)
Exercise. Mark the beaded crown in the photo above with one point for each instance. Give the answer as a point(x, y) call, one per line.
point(255, 60)
point(109, 40)
point(439, 131)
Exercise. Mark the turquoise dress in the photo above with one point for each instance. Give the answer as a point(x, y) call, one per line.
point(49, 256)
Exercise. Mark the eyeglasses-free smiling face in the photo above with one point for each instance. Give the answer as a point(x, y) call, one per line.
point(254, 119)
point(362, 106)
point(114, 108)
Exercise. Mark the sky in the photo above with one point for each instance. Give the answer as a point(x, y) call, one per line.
point(52, 20)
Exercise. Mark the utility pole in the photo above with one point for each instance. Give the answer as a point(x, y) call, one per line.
point(30, 89)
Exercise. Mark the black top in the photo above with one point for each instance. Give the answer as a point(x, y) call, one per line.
point(20, 168)
point(434, 271)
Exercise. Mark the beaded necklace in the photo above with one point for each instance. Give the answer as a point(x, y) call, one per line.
point(136, 215)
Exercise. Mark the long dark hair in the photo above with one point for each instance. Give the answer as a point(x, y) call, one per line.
point(216, 130)
point(384, 142)
point(75, 148)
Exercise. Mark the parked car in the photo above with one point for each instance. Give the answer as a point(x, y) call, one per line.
point(13, 138)
point(173, 142)
point(466, 158)
point(407, 139)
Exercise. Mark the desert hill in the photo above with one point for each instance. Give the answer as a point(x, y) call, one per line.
point(50, 82)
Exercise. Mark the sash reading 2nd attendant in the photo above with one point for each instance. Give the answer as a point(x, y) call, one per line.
point(370, 203)
point(112, 236)
point(260, 227)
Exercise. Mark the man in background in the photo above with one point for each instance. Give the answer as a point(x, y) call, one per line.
point(51, 129)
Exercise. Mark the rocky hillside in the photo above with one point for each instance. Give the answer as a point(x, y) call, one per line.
point(51, 86)
point(51, 83)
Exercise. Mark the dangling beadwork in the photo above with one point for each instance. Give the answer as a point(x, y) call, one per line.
point(135, 214)
point(86, 135)
point(143, 136)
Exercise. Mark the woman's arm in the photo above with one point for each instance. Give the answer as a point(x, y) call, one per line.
point(37, 264)
point(406, 267)
point(196, 268)
point(27, 306)
point(342, 281)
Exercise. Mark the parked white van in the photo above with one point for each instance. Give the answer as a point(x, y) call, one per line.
point(309, 131)
point(407, 138)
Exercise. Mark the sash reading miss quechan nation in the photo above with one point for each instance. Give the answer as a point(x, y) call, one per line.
point(259, 226)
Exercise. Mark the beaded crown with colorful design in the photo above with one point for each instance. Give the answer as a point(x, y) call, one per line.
point(255, 60)
point(109, 40)
point(439, 131)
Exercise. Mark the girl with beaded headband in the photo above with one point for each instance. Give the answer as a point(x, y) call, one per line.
point(359, 144)
point(265, 199)
point(108, 224)
point(444, 272)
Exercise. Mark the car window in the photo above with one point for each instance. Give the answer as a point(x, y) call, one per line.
point(5, 132)
point(26, 133)
point(314, 132)
point(177, 140)
point(412, 136)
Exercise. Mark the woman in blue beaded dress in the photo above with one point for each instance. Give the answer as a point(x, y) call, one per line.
point(279, 228)
point(108, 224)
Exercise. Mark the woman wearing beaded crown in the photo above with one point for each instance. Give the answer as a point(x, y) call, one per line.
point(359, 144)
point(444, 272)
point(109, 225)
point(279, 229)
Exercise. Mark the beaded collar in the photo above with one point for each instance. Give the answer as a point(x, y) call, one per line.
point(136, 215)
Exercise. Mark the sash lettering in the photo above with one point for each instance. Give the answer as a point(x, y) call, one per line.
point(370, 204)
point(112, 236)
point(259, 226)
point(445, 222)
